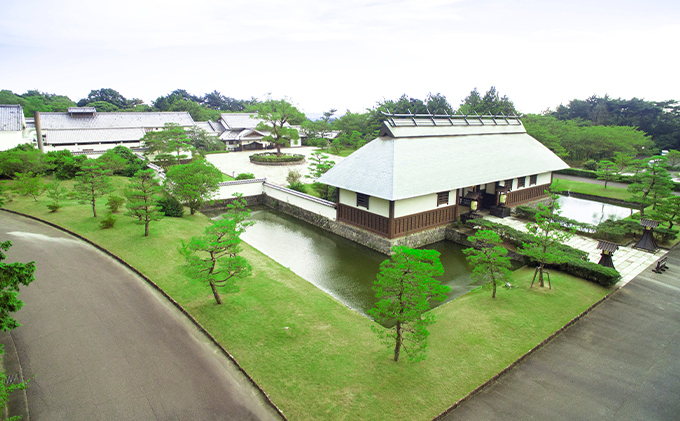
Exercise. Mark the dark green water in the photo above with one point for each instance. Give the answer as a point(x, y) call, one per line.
point(340, 267)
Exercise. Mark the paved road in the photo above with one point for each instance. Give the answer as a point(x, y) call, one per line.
point(100, 344)
point(620, 362)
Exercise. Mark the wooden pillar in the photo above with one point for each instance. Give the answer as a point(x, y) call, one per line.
point(390, 221)
point(38, 130)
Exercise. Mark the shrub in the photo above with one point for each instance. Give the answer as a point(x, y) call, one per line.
point(271, 157)
point(590, 165)
point(108, 222)
point(53, 207)
point(590, 271)
point(171, 207)
point(245, 176)
point(297, 186)
point(665, 235)
point(113, 203)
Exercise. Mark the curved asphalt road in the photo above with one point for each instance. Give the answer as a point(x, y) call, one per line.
point(100, 344)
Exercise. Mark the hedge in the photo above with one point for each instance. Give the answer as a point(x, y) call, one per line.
point(271, 157)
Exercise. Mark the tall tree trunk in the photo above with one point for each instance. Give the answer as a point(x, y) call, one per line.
point(146, 228)
point(278, 149)
point(397, 347)
point(215, 293)
point(541, 283)
point(94, 209)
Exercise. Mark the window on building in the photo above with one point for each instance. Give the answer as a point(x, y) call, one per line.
point(520, 182)
point(362, 200)
point(533, 179)
point(443, 198)
point(508, 183)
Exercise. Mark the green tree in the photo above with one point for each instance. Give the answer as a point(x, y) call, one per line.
point(668, 210)
point(319, 165)
point(22, 159)
point(143, 194)
point(11, 276)
point(193, 183)
point(275, 117)
point(172, 139)
point(546, 235)
point(491, 102)
point(403, 287)
point(106, 95)
point(56, 193)
point(213, 257)
point(29, 184)
point(607, 171)
point(490, 261)
point(652, 184)
point(204, 141)
point(92, 182)
point(673, 159)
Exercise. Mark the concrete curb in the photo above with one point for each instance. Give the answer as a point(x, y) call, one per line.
point(169, 298)
point(17, 403)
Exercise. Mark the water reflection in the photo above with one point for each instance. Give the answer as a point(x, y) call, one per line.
point(591, 212)
point(342, 268)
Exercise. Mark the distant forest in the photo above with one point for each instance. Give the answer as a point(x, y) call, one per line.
point(594, 128)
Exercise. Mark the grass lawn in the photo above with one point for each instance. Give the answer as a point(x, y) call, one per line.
point(594, 189)
point(316, 358)
point(344, 152)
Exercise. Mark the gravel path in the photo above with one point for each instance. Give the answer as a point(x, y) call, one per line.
point(234, 163)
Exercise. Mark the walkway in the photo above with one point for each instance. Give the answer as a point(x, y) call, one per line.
point(627, 260)
point(98, 343)
point(619, 362)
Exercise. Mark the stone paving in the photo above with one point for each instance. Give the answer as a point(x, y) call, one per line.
point(627, 260)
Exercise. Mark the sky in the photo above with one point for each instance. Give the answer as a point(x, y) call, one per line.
point(346, 55)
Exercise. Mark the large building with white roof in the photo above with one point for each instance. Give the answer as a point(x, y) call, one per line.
point(83, 129)
point(425, 171)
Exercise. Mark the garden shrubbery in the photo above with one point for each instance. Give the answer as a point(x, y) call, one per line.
point(171, 207)
point(271, 157)
point(576, 265)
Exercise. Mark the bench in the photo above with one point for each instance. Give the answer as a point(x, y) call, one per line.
point(660, 265)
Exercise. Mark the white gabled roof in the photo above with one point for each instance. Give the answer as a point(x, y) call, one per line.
point(117, 120)
point(67, 136)
point(411, 161)
point(239, 120)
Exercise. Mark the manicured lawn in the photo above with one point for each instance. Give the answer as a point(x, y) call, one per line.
point(316, 358)
point(594, 189)
point(344, 152)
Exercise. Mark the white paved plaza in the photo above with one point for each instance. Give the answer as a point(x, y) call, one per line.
point(234, 163)
point(627, 260)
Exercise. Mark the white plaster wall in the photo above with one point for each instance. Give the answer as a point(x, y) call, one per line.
point(544, 178)
point(301, 202)
point(10, 139)
point(375, 205)
point(420, 204)
point(227, 192)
